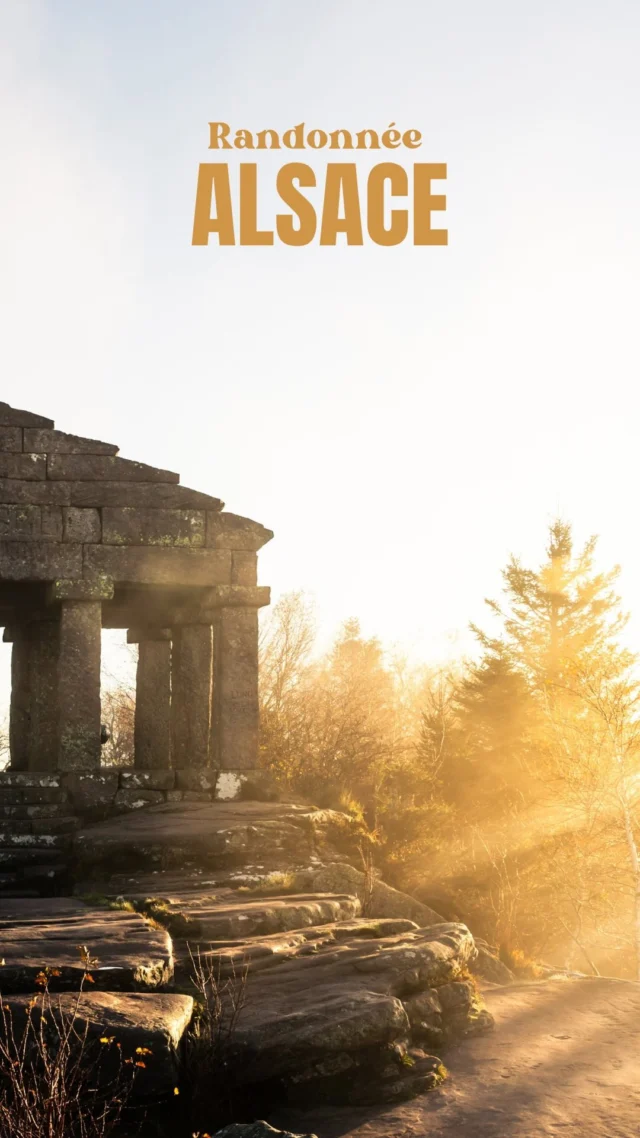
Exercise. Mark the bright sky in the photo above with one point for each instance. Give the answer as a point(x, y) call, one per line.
point(403, 418)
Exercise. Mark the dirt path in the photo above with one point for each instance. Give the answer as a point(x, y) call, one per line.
point(564, 1061)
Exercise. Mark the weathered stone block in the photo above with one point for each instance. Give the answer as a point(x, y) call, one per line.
point(20, 523)
point(196, 779)
point(173, 796)
point(82, 525)
point(11, 439)
point(156, 495)
point(30, 523)
point(231, 531)
point(147, 780)
point(244, 568)
point(91, 794)
point(41, 440)
point(83, 467)
point(30, 467)
point(99, 588)
point(160, 566)
point(59, 825)
point(39, 560)
point(13, 491)
point(136, 799)
point(29, 794)
point(133, 526)
point(51, 523)
point(197, 796)
point(13, 417)
point(250, 785)
point(22, 779)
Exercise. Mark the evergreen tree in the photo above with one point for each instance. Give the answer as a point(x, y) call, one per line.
point(561, 619)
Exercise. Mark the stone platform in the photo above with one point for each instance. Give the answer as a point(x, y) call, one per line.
point(345, 996)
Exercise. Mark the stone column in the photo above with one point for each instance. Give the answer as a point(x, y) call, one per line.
point(19, 713)
point(43, 749)
point(78, 688)
point(191, 671)
point(236, 712)
point(152, 730)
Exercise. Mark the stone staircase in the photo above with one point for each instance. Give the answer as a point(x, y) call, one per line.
point(36, 833)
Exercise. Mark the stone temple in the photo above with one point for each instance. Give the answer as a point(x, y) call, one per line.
point(135, 872)
point(89, 541)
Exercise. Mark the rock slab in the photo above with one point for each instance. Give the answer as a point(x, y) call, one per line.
point(39, 934)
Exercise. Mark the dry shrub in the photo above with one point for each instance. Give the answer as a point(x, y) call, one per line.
point(208, 1074)
point(56, 1081)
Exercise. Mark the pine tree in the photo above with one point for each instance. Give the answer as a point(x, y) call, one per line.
point(561, 619)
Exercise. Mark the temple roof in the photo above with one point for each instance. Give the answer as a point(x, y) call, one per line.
point(55, 467)
point(71, 507)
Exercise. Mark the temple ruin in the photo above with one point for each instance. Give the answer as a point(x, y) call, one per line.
point(89, 541)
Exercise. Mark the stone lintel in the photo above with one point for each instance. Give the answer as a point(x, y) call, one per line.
point(140, 635)
point(97, 589)
point(205, 608)
point(158, 566)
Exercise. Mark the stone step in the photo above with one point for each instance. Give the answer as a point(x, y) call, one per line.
point(60, 825)
point(9, 840)
point(155, 1021)
point(12, 857)
point(16, 826)
point(127, 952)
point(63, 824)
point(34, 810)
point(19, 795)
point(222, 919)
point(46, 879)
